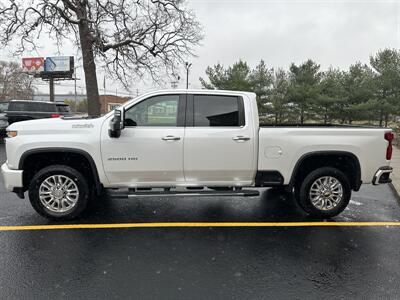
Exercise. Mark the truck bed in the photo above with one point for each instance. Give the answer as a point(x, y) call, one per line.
point(318, 125)
point(282, 146)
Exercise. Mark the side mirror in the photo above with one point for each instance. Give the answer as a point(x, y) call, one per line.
point(117, 123)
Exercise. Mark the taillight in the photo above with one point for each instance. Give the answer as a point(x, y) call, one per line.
point(389, 136)
point(55, 115)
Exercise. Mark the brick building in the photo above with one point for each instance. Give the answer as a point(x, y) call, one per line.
point(110, 102)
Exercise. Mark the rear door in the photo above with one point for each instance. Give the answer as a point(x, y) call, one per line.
point(219, 143)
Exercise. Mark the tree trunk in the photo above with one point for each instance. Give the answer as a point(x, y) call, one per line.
point(302, 116)
point(386, 119)
point(381, 118)
point(89, 66)
point(326, 115)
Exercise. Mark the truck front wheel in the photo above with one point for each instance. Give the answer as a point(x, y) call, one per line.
point(59, 192)
point(324, 193)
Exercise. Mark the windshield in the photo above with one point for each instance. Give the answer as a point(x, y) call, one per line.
point(3, 106)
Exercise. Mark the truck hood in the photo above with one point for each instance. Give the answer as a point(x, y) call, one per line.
point(55, 125)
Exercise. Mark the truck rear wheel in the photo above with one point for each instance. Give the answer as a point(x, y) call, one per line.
point(59, 192)
point(324, 193)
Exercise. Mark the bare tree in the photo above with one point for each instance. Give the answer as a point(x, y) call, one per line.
point(129, 37)
point(14, 84)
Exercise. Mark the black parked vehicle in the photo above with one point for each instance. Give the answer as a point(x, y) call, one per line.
point(23, 110)
point(3, 117)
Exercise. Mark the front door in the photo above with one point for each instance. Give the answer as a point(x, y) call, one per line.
point(149, 151)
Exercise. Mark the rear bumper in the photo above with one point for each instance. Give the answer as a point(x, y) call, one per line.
point(382, 175)
point(12, 178)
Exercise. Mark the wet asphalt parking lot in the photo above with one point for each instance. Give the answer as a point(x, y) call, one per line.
point(203, 263)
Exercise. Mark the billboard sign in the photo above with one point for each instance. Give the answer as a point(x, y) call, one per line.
point(33, 65)
point(59, 67)
point(59, 64)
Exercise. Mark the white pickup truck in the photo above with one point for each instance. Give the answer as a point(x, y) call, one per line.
point(190, 142)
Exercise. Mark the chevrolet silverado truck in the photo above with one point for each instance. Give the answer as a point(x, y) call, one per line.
point(190, 143)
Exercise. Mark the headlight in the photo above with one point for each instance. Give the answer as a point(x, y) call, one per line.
point(12, 133)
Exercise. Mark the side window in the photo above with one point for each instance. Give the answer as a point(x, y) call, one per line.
point(215, 110)
point(18, 106)
point(51, 108)
point(154, 111)
point(39, 107)
point(44, 107)
point(34, 107)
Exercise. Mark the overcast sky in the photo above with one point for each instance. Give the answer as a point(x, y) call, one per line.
point(334, 33)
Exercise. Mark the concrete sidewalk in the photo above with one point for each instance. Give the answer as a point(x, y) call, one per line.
point(395, 163)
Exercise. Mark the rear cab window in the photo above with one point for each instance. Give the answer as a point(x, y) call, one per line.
point(63, 108)
point(216, 111)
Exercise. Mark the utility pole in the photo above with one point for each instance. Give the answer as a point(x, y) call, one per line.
point(76, 92)
point(187, 66)
point(76, 102)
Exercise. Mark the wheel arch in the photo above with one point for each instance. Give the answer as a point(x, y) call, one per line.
point(65, 152)
point(353, 170)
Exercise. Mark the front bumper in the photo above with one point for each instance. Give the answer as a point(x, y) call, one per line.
point(12, 178)
point(382, 175)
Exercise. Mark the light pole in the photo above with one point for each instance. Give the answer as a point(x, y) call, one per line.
point(76, 98)
point(187, 66)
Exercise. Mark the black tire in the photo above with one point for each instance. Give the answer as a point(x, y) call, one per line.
point(303, 198)
point(80, 182)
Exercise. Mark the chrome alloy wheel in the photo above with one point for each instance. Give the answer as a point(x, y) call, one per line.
point(58, 193)
point(326, 193)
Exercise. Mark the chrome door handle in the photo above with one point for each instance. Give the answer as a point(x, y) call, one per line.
point(240, 138)
point(171, 138)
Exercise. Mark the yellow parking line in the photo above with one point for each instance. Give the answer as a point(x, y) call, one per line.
point(198, 224)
